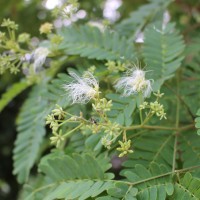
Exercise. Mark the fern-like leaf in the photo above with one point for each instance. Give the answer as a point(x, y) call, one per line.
point(12, 92)
point(76, 177)
point(30, 127)
point(188, 188)
point(139, 18)
point(122, 109)
point(154, 183)
point(189, 146)
point(158, 148)
point(90, 42)
point(162, 51)
point(31, 123)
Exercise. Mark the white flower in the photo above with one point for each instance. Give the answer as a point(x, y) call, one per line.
point(135, 83)
point(84, 89)
point(39, 56)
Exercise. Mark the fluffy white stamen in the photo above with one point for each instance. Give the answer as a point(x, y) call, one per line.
point(83, 89)
point(39, 56)
point(135, 83)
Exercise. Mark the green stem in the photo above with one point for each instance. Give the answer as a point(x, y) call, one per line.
point(174, 154)
point(9, 33)
point(141, 117)
point(149, 127)
point(178, 103)
point(69, 120)
point(141, 100)
point(166, 174)
point(70, 132)
point(190, 126)
point(181, 100)
point(177, 121)
point(147, 118)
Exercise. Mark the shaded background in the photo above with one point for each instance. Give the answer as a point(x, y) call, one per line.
point(30, 14)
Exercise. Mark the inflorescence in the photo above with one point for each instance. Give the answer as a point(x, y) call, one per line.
point(86, 88)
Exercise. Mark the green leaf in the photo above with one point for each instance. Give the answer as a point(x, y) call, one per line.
point(122, 190)
point(79, 176)
point(90, 42)
point(189, 146)
point(163, 48)
point(30, 127)
point(197, 122)
point(56, 94)
point(139, 18)
point(152, 147)
point(154, 183)
point(141, 183)
point(122, 109)
point(12, 92)
point(188, 188)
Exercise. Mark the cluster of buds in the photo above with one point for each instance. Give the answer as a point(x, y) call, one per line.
point(155, 108)
point(46, 28)
point(24, 38)
point(57, 138)
point(50, 119)
point(112, 131)
point(58, 112)
point(9, 24)
point(9, 62)
point(103, 105)
point(115, 66)
point(14, 57)
point(53, 121)
point(125, 148)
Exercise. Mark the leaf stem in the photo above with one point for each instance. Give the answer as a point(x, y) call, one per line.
point(70, 132)
point(190, 126)
point(162, 175)
point(174, 153)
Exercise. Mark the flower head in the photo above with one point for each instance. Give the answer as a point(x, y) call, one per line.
point(125, 148)
point(135, 83)
point(39, 56)
point(46, 28)
point(83, 88)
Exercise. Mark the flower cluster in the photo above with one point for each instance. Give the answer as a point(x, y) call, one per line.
point(9, 24)
point(57, 138)
point(103, 105)
point(112, 132)
point(15, 57)
point(155, 108)
point(46, 28)
point(125, 148)
point(85, 88)
point(115, 66)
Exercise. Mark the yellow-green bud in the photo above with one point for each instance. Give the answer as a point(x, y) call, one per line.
point(23, 38)
point(46, 28)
